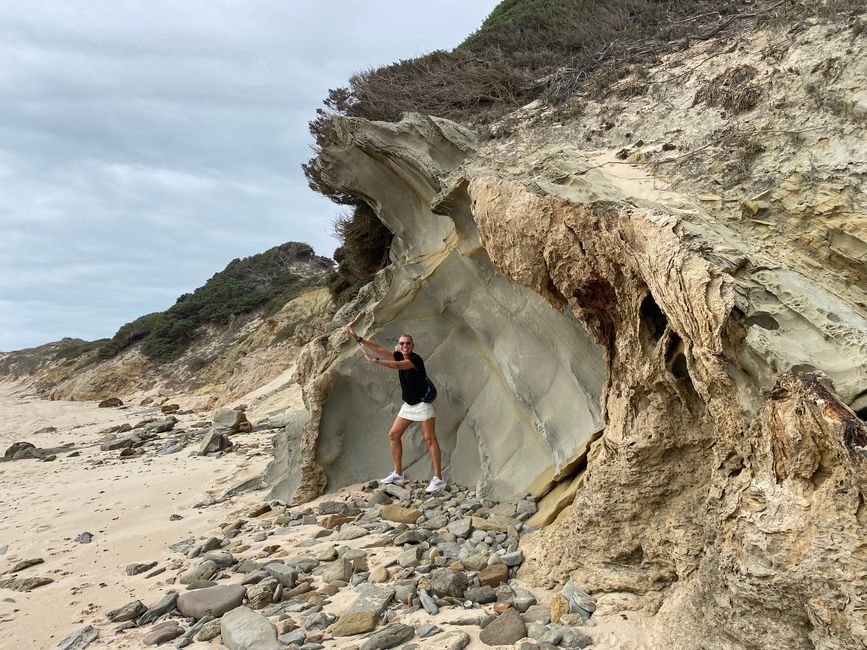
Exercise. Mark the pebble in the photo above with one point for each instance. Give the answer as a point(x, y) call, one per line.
point(163, 606)
point(453, 640)
point(128, 612)
point(25, 564)
point(358, 622)
point(162, 633)
point(350, 531)
point(295, 636)
point(506, 629)
point(391, 635)
point(135, 569)
point(210, 630)
point(25, 584)
point(493, 575)
point(243, 629)
point(84, 538)
point(215, 600)
point(428, 602)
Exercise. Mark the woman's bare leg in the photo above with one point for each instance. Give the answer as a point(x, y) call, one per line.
point(428, 429)
point(394, 435)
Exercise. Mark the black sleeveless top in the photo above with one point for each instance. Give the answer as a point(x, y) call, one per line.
point(413, 382)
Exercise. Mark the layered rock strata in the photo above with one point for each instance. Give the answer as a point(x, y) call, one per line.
point(728, 489)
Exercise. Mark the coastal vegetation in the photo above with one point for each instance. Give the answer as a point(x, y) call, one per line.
point(524, 50)
point(259, 283)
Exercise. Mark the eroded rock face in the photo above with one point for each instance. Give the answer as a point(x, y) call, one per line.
point(728, 490)
point(671, 504)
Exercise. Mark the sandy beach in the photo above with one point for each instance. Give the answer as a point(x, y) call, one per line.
point(125, 503)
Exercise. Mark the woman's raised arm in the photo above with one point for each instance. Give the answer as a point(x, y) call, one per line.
point(380, 350)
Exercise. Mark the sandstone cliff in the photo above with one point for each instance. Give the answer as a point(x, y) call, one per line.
point(615, 271)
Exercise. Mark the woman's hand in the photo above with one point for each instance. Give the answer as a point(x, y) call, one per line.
point(352, 333)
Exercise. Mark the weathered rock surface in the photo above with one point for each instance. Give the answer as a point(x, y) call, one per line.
point(400, 514)
point(16, 447)
point(722, 341)
point(79, 639)
point(25, 584)
point(216, 600)
point(162, 633)
point(351, 623)
point(244, 629)
point(454, 640)
point(390, 636)
point(229, 421)
point(506, 629)
point(128, 612)
point(162, 606)
point(427, 289)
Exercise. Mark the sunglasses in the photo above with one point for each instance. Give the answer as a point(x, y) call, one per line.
point(404, 342)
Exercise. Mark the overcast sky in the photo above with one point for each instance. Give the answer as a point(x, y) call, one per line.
point(144, 145)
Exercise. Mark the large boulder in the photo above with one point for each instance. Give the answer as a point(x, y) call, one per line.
point(17, 447)
point(505, 630)
point(291, 478)
point(230, 421)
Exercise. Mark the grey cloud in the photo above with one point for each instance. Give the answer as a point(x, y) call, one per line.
point(145, 145)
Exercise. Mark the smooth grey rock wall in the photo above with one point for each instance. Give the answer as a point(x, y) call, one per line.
point(519, 380)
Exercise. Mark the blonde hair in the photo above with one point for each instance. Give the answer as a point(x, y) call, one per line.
point(407, 336)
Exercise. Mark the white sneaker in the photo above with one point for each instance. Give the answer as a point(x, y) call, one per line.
point(394, 477)
point(436, 484)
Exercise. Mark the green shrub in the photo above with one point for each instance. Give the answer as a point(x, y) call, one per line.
point(76, 349)
point(197, 363)
point(129, 334)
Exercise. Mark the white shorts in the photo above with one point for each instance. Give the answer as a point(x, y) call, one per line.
point(417, 412)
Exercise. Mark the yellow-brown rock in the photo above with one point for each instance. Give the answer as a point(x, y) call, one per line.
point(393, 512)
point(493, 575)
point(559, 606)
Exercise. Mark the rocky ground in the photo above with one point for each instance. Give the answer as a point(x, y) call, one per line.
point(377, 567)
point(119, 528)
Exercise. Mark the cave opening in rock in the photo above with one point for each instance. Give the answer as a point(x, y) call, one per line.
point(859, 405)
point(653, 319)
point(634, 557)
point(764, 320)
point(675, 359)
point(596, 299)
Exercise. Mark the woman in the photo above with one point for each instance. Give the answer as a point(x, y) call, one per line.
point(413, 385)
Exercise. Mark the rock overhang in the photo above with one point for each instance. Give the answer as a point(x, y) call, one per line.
point(520, 380)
